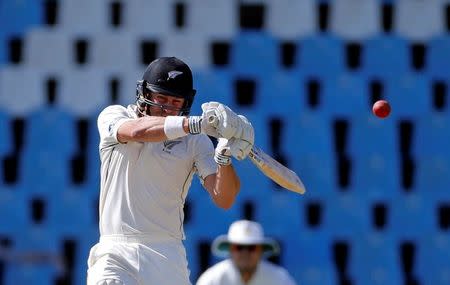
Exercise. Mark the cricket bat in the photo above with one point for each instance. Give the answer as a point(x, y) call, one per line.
point(271, 168)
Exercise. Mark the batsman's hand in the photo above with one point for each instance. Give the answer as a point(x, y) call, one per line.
point(227, 123)
point(225, 148)
point(242, 144)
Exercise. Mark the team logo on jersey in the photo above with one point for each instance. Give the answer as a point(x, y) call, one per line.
point(168, 145)
point(172, 74)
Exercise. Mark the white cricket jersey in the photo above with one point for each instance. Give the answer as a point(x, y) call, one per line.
point(144, 185)
point(226, 273)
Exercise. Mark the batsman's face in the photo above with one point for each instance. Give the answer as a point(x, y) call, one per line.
point(165, 105)
point(246, 257)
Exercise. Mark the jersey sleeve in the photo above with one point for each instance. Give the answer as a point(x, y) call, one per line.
point(108, 122)
point(204, 157)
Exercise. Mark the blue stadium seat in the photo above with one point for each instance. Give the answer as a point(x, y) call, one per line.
point(320, 55)
point(17, 16)
point(413, 89)
point(65, 215)
point(346, 215)
point(212, 85)
point(45, 163)
point(345, 94)
point(14, 211)
point(432, 176)
point(433, 257)
point(374, 260)
point(84, 244)
point(282, 94)
point(432, 136)
point(438, 59)
point(28, 270)
point(412, 216)
point(376, 175)
point(385, 56)
point(254, 53)
point(369, 135)
point(283, 215)
point(310, 258)
point(6, 143)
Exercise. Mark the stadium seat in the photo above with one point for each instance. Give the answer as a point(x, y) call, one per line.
point(283, 215)
point(84, 91)
point(412, 88)
point(16, 17)
point(94, 14)
point(220, 16)
point(418, 20)
point(282, 94)
point(432, 175)
point(31, 266)
point(149, 18)
point(37, 53)
point(345, 95)
point(438, 59)
point(19, 85)
point(66, 216)
point(309, 133)
point(343, 19)
point(385, 56)
point(115, 52)
point(412, 217)
point(254, 53)
point(14, 211)
point(376, 175)
point(196, 52)
point(432, 136)
point(433, 255)
point(6, 143)
point(346, 215)
point(320, 55)
point(63, 135)
point(212, 85)
point(369, 135)
point(374, 259)
point(290, 20)
point(310, 261)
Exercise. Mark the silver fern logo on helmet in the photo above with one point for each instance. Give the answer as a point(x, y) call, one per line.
point(173, 74)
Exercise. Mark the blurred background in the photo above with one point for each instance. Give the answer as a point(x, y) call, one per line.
point(305, 72)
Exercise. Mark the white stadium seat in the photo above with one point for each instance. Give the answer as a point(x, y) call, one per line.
point(355, 19)
point(21, 90)
point(47, 49)
point(83, 17)
point(419, 20)
point(291, 19)
point(191, 48)
point(115, 51)
point(84, 91)
point(149, 17)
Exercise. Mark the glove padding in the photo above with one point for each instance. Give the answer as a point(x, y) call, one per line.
point(237, 148)
point(228, 124)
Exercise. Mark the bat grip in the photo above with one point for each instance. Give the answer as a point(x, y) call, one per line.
point(212, 120)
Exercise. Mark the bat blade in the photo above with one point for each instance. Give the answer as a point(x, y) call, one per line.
point(279, 173)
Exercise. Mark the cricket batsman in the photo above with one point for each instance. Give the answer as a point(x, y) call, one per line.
point(149, 153)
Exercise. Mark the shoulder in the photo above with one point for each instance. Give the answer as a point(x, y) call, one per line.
point(114, 109)
point(216, 270)
point(276, 271)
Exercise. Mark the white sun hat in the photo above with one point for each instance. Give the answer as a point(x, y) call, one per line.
point(244, 232)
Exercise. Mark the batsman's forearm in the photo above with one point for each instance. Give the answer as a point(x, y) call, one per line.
point(226, 187)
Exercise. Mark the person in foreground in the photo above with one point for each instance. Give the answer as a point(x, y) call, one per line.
point(149, 152)
point(246, 246)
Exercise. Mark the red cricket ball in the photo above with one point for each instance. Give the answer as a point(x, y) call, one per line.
point(381, 109)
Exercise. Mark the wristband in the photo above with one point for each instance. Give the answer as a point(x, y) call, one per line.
point(173, 127)
point(194, 123)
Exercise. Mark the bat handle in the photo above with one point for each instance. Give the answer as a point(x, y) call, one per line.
point(212, 120)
